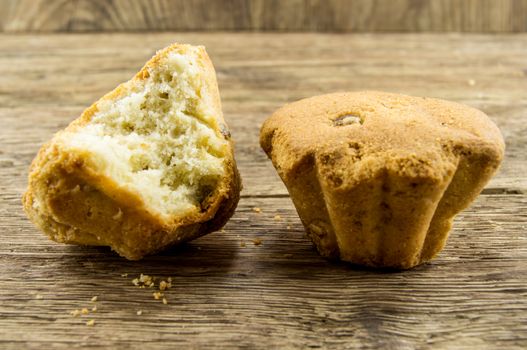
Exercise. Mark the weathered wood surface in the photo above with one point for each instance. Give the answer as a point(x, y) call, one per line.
point(484, 16)
point(280, 294)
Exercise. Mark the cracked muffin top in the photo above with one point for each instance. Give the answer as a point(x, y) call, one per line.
point(363, 132)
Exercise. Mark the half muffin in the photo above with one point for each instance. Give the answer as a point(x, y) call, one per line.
point(147, 166)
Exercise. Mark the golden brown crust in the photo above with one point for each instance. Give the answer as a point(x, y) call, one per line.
point(376, 177)
point(72, 203)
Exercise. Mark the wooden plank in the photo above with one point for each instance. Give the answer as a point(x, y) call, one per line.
point(487, 16)
point(55, 77)
point(276, 295)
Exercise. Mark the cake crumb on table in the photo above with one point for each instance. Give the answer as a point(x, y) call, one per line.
point(257, 241)
point(39, 296)
point(144, 281)
point(157, 295)
point(165, 301)
point(124, 275)
point(85, 311)
point(90, 323)
point(94, 309)
point(139, 313)
point(288, 227)
point(94, 299)
point(257, 210)
point(162, 285)
point(75, 313)
point(277, 218)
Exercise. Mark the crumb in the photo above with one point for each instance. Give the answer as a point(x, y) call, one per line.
point(90, 323)
point(143, 281)
point(257, 241)
point(471, 82)
point(257, 210)
point(146, 280)
point(157, 295)
point(242, 244)
point(94, 299)
point(94, 309)
point(277, 218)
point(118, 215)
point(165, 301)
point(162, 285)
point(124, 275)
point(139, 313)
point(288, 227)
point(222, 230)
point(75, 313)
point(85, 311)
point(39, 296)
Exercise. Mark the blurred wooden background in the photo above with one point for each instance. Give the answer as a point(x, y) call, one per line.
point(483, 16)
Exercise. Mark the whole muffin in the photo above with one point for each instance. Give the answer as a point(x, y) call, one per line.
point(376, 177)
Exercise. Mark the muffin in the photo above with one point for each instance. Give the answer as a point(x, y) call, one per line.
point(376, 177)
point(147, 166)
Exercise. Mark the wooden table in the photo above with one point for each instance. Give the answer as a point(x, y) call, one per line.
point(228, 292)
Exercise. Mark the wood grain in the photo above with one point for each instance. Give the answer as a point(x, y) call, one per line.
point(486, 16)
point(280, 294)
